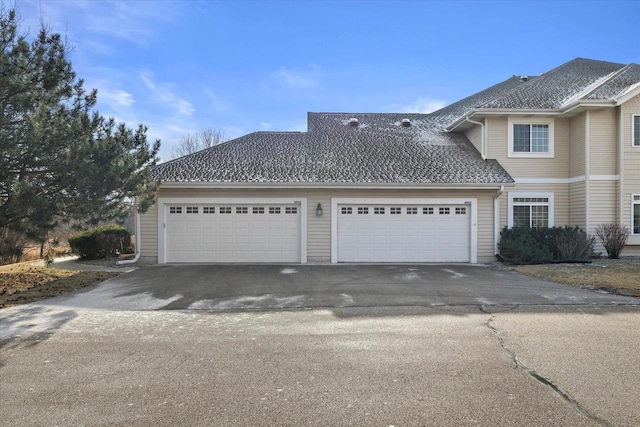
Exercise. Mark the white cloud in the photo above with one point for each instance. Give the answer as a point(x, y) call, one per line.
point(163, 94)
point(421, 106)
point(298, 79)
point(265, 126)
point(115, 98)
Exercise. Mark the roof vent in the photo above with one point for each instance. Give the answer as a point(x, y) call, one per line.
point(405, 122)
point(524, 78)
point(353, 122)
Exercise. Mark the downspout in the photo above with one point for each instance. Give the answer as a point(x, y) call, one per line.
point(137, 231)
point(621, 165)
point(587, 171)
point(496, 219)
point(481, 137)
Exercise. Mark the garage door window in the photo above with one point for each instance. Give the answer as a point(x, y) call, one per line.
point(444, 211)
point(258, 210)
point(396, 211)
point(208, 210)
point(346, 210)
point(427, 211)
point(363, 210)
point(175, 210)
point(291, 210)
point(274, 210)
point(378, 211)
point(225, 210)
point(412, 211)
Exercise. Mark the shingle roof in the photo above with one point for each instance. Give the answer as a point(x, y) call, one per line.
point(626, 77)
point(379, 151)
point(553, 89)
point(449, 114)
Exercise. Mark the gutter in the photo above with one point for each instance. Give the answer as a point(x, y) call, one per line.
point(481, 137)
point(137, 257)
point(496, 219)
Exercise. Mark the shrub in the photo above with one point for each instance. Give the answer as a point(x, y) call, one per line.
point(574, 244)
point(100, 242)
point(524, 245)
point(613, 237)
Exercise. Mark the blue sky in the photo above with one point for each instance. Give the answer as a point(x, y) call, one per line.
point(243, 66)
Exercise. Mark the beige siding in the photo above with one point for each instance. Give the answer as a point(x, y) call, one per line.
point(475, 136)
point(630, 170)
point(496, 138)
point(149, 234)
point(577, 213)
point(577, 146)
point(603, 147)
point(603, 196)
point(556, 167)
point(319, 228)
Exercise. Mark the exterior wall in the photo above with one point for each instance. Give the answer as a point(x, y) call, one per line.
point(603, 147)
point(319, 228)
point(577, 137)
point(474, 134)
point(546, 168)
point(577, 207)
point(149, 235)
point(630, 179)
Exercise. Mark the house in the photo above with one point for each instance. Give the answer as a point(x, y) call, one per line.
point(562, 148)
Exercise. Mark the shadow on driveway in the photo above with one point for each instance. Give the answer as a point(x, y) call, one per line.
point(271, 287)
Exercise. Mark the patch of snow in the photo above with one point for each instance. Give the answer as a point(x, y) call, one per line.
point(455, 275)
point(288, 271)
point(347, 299)
point(250, 302)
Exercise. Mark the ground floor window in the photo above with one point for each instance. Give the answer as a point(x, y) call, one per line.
point(530, 209)
point(635, 214)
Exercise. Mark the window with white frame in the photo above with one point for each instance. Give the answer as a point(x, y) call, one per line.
point(530, 138)
point(635, 214)
point(635, 134)
point(530, 210)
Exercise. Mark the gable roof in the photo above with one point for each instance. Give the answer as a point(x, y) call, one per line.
point(381, 150)
point(553, 89)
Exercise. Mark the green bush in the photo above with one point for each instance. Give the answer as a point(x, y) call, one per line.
point(100, 242)
point(524, 245)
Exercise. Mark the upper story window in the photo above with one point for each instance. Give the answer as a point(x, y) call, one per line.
point(635, 138)
point(530, 138)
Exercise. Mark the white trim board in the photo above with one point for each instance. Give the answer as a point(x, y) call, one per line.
point(572, 180)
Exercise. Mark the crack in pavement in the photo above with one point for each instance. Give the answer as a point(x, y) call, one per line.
point(518, 364)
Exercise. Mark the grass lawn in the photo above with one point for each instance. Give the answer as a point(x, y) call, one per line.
point(23, 283)
point(617, 276)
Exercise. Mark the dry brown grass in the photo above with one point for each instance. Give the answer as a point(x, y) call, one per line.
point(618, 276)
point(23, 283)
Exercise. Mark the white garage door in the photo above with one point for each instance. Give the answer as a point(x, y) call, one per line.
point(233, 233)
point(403, 233)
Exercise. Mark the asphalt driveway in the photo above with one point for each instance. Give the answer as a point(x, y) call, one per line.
point(264, 287)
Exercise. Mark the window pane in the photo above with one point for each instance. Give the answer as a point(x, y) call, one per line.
point(636, 219)
point(521, 138)
point(539, 216)
point(636, 131)
point(540, 138)
point(521, 216)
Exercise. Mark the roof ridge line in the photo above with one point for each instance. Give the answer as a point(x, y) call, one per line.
point(607, 80)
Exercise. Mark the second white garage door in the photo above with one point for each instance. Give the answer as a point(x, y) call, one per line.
point(403, 233)
point(233, 233)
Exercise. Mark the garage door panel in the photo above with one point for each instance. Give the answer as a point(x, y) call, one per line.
point(410, 233)
point(233, 233)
